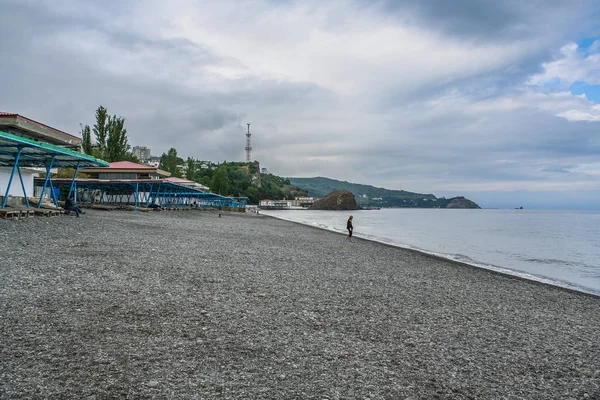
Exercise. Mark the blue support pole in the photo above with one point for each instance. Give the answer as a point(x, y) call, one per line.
point(73, 183)
point(137, 193)
point(48, 168)
point(53, 194)
point(162, 198)
point(23, 186)
point(155, 196)
point(149, 196)
point(11, 177)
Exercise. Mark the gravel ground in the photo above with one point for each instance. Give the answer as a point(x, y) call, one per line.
point(186, 305)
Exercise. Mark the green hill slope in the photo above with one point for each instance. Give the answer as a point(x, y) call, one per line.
point(370, 195)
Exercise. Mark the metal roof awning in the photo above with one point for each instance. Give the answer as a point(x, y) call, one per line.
point(138, 192)
point(31, 153)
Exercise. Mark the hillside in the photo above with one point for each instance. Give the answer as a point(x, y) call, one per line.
point(374, 196)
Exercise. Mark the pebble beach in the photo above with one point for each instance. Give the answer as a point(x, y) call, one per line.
point(190, 305)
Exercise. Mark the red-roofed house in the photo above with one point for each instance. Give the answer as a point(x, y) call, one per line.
point(126, 170)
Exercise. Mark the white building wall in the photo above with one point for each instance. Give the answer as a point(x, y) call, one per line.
point(15, 188)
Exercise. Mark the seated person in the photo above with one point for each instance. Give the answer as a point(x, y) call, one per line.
point(70, 206)
point(155, 206)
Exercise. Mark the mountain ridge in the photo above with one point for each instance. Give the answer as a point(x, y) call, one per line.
point(381, 197)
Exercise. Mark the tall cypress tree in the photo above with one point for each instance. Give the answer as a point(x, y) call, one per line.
point(86, 142)
point(100, 128)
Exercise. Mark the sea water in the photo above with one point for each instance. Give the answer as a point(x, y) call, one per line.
point(558, 247)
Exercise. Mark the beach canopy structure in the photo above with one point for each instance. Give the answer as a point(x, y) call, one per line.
point(19, 152)
point(144, 193)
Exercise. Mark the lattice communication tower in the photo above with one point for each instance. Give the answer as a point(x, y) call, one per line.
point(248, 145)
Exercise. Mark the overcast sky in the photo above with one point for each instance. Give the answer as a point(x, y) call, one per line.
point(495, 100)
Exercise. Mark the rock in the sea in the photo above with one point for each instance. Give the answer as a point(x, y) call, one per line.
point(461, 202)
point(336, 200)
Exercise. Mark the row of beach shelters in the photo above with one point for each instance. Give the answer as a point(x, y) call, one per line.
point(28, 148)
point(127, 170)
point(128, 184)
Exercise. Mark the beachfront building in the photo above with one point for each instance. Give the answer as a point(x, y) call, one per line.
point(275, 204)
point(27, 128)
point(27, 148)
point(303, 201)
point(126, 170)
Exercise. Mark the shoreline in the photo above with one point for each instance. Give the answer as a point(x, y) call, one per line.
point(486, 267)
point(191, 305)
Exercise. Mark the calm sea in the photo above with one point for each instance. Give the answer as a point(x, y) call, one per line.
point(558, 247)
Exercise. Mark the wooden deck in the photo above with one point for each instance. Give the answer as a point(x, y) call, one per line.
point(10, 213)
point(47, 212)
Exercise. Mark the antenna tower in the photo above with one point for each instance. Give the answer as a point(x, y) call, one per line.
point(248, 146)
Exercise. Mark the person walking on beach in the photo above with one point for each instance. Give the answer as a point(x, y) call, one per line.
point(350, 229)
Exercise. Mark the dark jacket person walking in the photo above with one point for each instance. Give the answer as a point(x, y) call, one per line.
point(350, 229)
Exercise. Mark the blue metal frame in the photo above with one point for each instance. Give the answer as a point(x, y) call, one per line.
point(138, 192)
point(73, 183)
point(48, 168)
point(12, 174)
point(20, 152)
point(22, 186)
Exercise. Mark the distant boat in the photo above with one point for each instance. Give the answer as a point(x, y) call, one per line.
point(370, 208)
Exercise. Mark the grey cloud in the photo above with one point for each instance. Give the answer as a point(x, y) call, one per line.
point(488, 20)
point(301, 129)
point(159, 114)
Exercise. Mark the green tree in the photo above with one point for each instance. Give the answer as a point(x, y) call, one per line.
point(111, 138)
point(239, 180)
point(190, 172)
point(220, 183)
point(117, 144)
point(205, 180)
point(169, 162)
point(100, 128)
point(253, 195)
point(86, 142)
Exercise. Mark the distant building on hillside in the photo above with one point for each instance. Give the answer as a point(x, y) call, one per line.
point(141, 152)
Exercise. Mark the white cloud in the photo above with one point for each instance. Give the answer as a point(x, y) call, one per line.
point(571, 66)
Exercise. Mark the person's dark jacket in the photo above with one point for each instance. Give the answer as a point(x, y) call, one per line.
point(69, 203)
